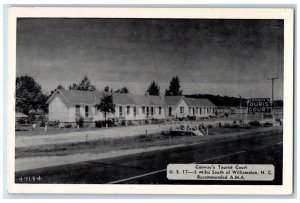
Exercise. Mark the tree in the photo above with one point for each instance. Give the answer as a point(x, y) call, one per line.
point(153, 89)
point(124, 90)
point(174, 87)
point(106, 89)
point(106, 105)
point(59, 87)
point(84, 85)
point(29, 95)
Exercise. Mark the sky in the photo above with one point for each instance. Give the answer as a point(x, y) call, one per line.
point(221, 57)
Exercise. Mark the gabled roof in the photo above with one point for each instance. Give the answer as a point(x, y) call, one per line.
point(21, 115)
point(135, 99)
point(199, 102)
point(172, 100)
point(79, 97)
point(94, 97)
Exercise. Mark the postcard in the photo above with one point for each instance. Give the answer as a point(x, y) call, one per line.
point(150, 100)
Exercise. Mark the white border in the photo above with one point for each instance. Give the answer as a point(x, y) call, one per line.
point(208, 13)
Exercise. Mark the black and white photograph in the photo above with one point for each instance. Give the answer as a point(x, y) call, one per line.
point(155, 101)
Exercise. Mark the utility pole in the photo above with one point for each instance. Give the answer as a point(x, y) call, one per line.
point(240, 106)
point(272, 95)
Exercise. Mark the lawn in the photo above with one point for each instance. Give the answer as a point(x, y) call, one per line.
point(114, 144)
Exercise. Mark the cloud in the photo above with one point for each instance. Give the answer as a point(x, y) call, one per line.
point(220, 56)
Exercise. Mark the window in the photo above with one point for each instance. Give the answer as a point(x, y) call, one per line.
point(143, 110)
point(200, 110)
point(159, 110)
point(193, 111)
point(86, 111)
point(190, 110)
point(152, 110)
point(147, 110)
point(134, 111)
point(181, 109)
point(196, 110)
point(77, 111)
point(128, 110)
point(170, 111)
point(120, 111)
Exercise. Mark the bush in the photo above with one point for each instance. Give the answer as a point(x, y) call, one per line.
point(191, 118)
point(53, 123)
point(79, 121)
point(182, 119)
point(22, 121)
point(68, 125)
point(254, 123)
point(102, 124)
point(267, 124)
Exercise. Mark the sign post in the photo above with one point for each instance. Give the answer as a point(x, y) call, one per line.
point(247, 113)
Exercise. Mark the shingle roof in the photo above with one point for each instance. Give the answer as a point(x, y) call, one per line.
point(136, 99)
point(172, 100)
point(94, 97)
point(81, 97)
point(199, 102)
point(21, 115)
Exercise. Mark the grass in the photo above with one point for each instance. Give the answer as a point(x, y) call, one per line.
point(52, 130)
point(114, 144)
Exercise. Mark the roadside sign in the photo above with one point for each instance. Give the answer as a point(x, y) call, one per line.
point(261, 105)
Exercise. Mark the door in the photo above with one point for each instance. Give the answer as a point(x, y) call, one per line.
point(170, 111)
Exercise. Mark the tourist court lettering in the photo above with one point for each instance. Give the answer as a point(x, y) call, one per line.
point(259, 105)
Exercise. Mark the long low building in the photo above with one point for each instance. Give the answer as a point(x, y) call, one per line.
point(67, 105)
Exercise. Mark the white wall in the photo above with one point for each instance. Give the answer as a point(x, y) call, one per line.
point(64, 112)
point(185, 108)
point(58, 109)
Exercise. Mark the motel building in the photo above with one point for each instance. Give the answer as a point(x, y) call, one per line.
point(67, 105)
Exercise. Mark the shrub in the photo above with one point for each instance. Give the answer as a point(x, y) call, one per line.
point(267, 124)
point(102, 124)
point(191, 118)
point(209, 126)
point(79, 121)
point(98, 124)
point(68, 125)
point(22, 121)
point(53, 123)
point(254, 123)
